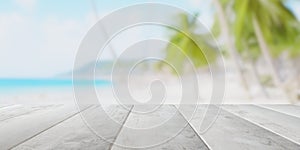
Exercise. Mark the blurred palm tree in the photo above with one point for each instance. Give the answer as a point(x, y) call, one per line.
point(194, 46)
point(266, 27)
point(252, 28)
point(222, 27)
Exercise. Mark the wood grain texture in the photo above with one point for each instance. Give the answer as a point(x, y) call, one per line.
point(232, 132)
point(4, 105)
point(76, 134)
point(293, 110)
point(23, 126)
point(16, 111)
point(164, 128)
point(279, 123)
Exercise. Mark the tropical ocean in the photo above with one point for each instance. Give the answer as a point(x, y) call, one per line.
point(47, 90)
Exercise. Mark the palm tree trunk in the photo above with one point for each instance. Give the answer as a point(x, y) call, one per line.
point(267, 56)
point(230, 45)
point(266, 52)
point(295, 80)
point(255, 73)
point(298, 82)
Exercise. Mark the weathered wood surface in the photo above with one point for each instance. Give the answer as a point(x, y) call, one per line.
point(63, 127)
point(293, 110)
point(14, 111)
point(276, 122)
point(4, 105)
point(19, 123)
point(164, 128)
point(231, 132)
point(75, 134)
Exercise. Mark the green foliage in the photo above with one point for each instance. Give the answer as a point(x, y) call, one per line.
point(216, 29)
point(279, 26)
point(187, 45)
point(266, 80)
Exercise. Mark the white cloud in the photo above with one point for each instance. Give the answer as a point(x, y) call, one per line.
point(297, 11)
point(32, 47)
point(26, 4)
point(195, 2)
point(205, 10)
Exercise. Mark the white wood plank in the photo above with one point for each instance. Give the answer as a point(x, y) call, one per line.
point(18, 129)
point(292, 110)
point(75, 134)
point(15, 111)
point(231, 132)
point(4, 105)
point(164, 128)
point(279, 123)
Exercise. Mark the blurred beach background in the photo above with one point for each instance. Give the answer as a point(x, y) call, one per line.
point(259, 42)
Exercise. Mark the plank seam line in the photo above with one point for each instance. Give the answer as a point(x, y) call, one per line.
point(35, 135)
point(7, 106)
point(256, 124)
point(266, 107)
point(20, 115)
point(199, 136)
point(119, 131)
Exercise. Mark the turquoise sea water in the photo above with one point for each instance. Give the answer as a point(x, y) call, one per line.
point(13, 85)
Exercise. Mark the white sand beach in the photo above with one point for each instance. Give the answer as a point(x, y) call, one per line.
point(140, 91)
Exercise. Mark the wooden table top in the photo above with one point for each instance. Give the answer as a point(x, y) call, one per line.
point(61, 126)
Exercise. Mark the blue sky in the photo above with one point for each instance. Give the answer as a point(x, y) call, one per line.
point(39, 38)
point(75, 9)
